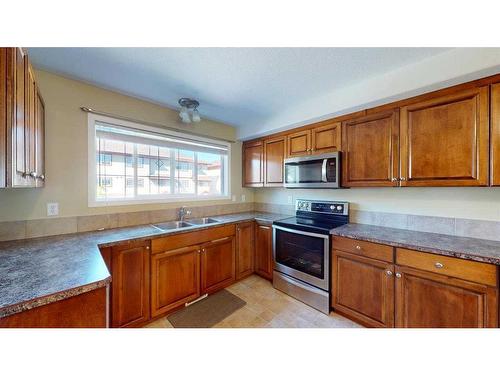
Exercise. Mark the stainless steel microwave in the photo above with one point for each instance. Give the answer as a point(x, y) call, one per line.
point(317, 171)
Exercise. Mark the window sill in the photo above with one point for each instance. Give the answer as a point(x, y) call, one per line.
point(156, 201)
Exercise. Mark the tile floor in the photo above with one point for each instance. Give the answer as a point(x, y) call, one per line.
point(269, 308)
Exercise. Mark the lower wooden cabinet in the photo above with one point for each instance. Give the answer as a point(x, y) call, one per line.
point(175, 278)
point(425, 299)
point(245, 249)
point(217, 265)
point(264, 250)
point(363, 288)
point(413, 290)
point(130, 284)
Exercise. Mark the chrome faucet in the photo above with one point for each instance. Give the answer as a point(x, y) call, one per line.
point(183, 212)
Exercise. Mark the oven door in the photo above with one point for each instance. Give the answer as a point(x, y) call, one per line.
point(302, 255)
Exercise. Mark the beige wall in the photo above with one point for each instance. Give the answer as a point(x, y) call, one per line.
point(470, 203)
point(66, 150)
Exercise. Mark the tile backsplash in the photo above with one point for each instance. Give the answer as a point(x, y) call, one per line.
point(484, 229)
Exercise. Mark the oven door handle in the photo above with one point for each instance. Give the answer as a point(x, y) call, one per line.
point(324, 236)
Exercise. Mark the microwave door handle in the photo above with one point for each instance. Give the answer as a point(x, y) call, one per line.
point(323, 171)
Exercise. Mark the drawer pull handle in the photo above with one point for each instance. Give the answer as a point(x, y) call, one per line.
point(439, 265)
point(388, 273)
point(398, 275)
point(358, 247)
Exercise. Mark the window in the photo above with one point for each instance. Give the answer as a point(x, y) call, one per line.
point(136, 163)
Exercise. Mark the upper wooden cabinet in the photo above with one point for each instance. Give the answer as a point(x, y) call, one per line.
point(21, 123)
point(299, 143)
point(318, 140)
point(326, 138)
point(445, 141)
point(370, 147)
point(253, 166)
point(495, 135)
point(274, 155)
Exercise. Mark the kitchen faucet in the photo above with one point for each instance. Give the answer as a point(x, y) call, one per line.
point(183, 212)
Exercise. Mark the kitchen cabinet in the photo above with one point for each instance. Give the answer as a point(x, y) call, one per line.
point(445, 140)
point(298, 143)
point(495, 135)
point(326, 138)
point(130, 285)
point(253, 165)
point(264, 250)
point(363, 287)
point(217, 264)
point(175, 278)
point(21, 123)
point(274, 156)
point(370, 146)
point(245, 250)
point(425, 299)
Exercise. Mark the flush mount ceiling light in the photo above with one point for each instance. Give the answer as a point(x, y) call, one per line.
point(189, 110)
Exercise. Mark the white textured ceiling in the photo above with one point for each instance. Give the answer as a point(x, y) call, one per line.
point(244, 87)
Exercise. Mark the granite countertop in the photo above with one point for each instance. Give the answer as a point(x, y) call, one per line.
point(486, 251)
point(38, 271)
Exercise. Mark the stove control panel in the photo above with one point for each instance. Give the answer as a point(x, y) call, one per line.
point(324, 207)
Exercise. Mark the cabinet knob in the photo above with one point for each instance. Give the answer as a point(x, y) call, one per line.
point(147, 247)
point(402, 179)
point(388, 273)
point(33, 174)
point(358, 247)
point(199, 251)
point(398, 275)
point(439, 265)
point(394, 179)
point(42, 177)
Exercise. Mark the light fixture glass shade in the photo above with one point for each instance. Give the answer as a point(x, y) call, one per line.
point(183, 112)
point(185, 118)
point(196, 116)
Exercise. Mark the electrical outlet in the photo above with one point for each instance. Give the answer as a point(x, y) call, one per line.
point(52, 209)
point(289, 199)
point(243, 198)
point(233, 198)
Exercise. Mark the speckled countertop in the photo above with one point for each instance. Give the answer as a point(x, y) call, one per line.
point(38, 271)
point(460, 247)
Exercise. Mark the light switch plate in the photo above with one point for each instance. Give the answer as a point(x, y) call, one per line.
point(52, 209)
point(243, 198)
point(289, 199)
point(233, 198)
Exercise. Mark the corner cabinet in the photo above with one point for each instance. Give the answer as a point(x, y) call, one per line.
point(445, 140)
point(370, 150)
point(22, 122)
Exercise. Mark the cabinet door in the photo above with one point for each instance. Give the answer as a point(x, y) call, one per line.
point(495, 135)
point(19, 74)
point(130, 285)
point(299, 143)
point(428, 300)
point(3, 117)
point(326, 138)
point(363, 288)
point(30, 125)
point(253, 171)
point(264, 251)
point(40, 141)
point(175, 278)
point(445, 141)
point(370, 150)
point(218, 264)
point(245, 252)
point(274, 155)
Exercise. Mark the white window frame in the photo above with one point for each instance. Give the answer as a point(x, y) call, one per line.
point(163, 198)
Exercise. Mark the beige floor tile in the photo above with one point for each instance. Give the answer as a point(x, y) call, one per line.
point(269, 308)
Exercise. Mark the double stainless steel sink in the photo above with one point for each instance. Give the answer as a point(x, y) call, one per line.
point(169, 225)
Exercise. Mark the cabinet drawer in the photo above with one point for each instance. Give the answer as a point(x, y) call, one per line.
point(478, 272)
point(364, 248)
point(194, 237)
